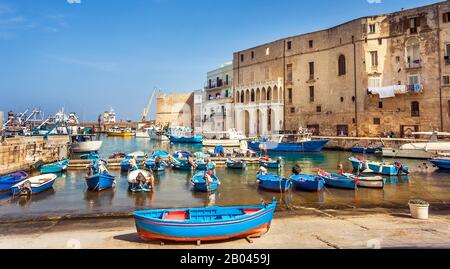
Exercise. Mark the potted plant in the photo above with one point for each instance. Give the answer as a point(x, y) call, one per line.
point(419, 209)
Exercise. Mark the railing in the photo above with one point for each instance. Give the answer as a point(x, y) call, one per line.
point(413, 63)
point(415, 88)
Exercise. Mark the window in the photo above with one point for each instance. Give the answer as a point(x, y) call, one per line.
point(253, 54)
point(242, 97)
point(341, 65)
point(267, 73)
point(413, 79)
point(289, 72)
point(226, 80)
point(415, 109)
point(446, 17)
point(289, 45)
point(374, 58)
point(372, 28)
point(446, 80)
point(376, 121)
point(380, 104)
point(267, 51)
point(447, 55)
point(374, 82)
point(413, 53)
point(252, 98)
point(413, 24)
point(210, 84)
point(314, 128)
point(311, 44)
point(290, 95)
point(448, 107)
point(292, 110)
point(318, 109)
point(342, 130)
point(242, 57)
point(311, 71)
point(311, 93)
point(342, 99)
point(380, 41)
point(397, 59)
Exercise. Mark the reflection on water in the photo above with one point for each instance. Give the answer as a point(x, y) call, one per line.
point(173, 188)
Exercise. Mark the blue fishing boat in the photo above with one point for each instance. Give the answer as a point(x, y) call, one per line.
point(232, 164)
point(274, 183)
point(182, 165)
point(270, 164)
point(204, 224)
point(368, 150)
point(34, 185)
point(182, 154)
point(308, 182)
point(395, 169)
point(55, 168)
point(338, 181)
point(6, 182)
point(289, 143)
point(200, 184)
point(90, 156)
point(186, 139)
point(441, 163)
point(99, 182)
point(358, 163)
point(201, 165)
point(358, 149)
point(151, 164)
point(161, 154)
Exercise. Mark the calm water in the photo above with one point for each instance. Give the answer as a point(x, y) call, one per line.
point(173, 189)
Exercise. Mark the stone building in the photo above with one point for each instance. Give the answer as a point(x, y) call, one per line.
point(198, 112)
point(367, 77)
point(217, 108)
point(1, 120)
point(175, 109)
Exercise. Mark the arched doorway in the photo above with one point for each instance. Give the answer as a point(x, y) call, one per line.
point(247, 123)
point(269, 120)
point(258, 122)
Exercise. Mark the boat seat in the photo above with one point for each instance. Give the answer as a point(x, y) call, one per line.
point(176, 215)
point(250, 211)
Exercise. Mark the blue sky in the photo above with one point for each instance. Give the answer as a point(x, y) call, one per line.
point(88, 55)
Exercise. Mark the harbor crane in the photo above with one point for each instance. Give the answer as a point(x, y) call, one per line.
point(149, 104)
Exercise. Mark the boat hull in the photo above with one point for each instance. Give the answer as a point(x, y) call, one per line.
point(274, 183)
point(236, 165)
point(249, 225)
point(387, 170)
point(308, 183)
point(375, 182)
point(112, 134)
point(235, 143)
point(150, 164)
point(200, 184)
point(36, 187)
point(340, 182)
point(443, 164)
point(88, 146)
point(186, 140)
point(408, 153)
point(54, 168)
point(100, 182)
point(6, 182)
point(307, 146)
point(271, 165)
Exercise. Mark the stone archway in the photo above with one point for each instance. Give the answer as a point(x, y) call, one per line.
point(246, 123)
point(258, 123)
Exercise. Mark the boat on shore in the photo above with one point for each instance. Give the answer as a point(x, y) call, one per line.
point(7, 181)
point(85, 143)
point(34, 185)
point(421, 150)
point(441, 162)
point(338, 181)
point(376, 182)
point(274, 183)
point(100, 182)
point(307, 182)
point(199, 181)
point(55, 168)
point(301, 142)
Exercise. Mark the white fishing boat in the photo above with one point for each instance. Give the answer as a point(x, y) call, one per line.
point(157, 135)
point(83, 143)
point(231, 138)
point(143, 133)
point(422, 150)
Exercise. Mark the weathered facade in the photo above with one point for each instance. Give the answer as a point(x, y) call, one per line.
point(370, 76)
point(175, 109)
point(217, 108)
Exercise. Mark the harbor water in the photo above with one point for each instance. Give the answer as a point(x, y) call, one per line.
point(69, 195)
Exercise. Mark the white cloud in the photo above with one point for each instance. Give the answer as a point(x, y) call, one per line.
point(374, 1)
point(74, 1)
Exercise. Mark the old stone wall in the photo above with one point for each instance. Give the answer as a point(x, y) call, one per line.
point(175, 109)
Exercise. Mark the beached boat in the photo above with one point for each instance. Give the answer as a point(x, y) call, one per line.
point(307, 182)
point(338, 181)
point(270, 164)
point(134, 185)
point(273, 183)
point(376, 182)
point(7, 181)
point(232, 164)
point(85, 143)
point(199, 182)
point(99, 182)
point(34, 185)
point(151, 164)
point(441, 162)
point(204, 224)
point(289, 143)
point(55, 168)
point(421, 150)
point(388, 169)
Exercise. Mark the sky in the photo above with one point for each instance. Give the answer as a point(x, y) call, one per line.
point(89, 55)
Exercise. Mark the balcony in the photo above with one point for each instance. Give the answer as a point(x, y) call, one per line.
point(413, 64)
point(414, 88)
point(217, 85)
point(219, 99)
